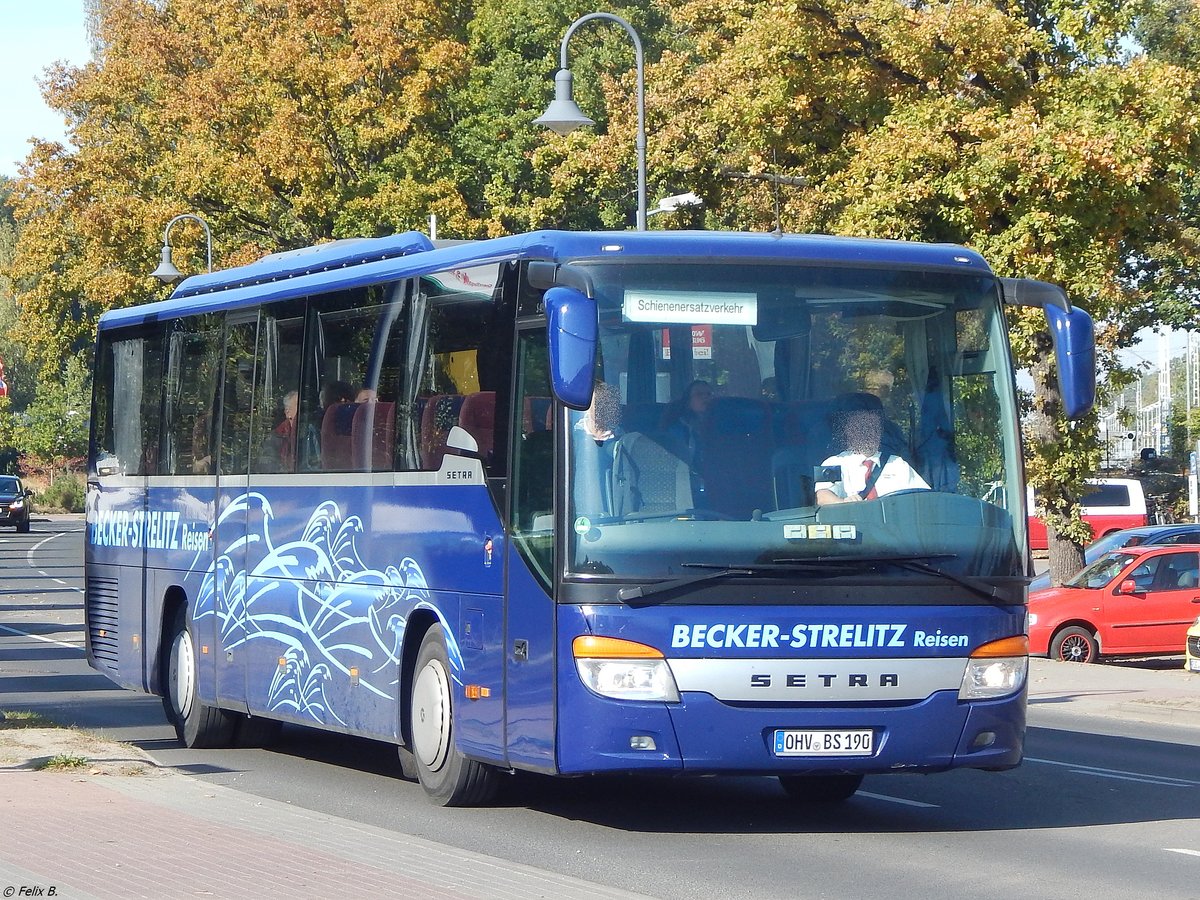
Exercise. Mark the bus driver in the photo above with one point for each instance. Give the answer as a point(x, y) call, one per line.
point(863, 471)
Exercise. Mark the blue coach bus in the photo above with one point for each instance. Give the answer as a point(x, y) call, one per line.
point(577, 503)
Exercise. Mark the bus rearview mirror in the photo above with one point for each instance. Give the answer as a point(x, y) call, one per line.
point(571, 328)
point(1075, 356)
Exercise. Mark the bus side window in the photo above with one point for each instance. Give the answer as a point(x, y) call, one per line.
point(348, 401)
point(463, 362)
point(277, 446)
point(533, 456)
point(190, 394)
point(128, 396)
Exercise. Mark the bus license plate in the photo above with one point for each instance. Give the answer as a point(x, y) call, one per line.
point(824, 742)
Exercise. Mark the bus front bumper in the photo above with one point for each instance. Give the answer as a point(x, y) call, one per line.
point(702, 735)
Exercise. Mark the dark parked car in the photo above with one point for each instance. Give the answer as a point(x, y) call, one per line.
point(1186, 533)
point(14, 503)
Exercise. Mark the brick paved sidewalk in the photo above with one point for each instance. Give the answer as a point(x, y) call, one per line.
point(166, 835)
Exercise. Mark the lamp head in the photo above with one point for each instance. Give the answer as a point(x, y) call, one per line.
point(563, 115)
point(166, 271)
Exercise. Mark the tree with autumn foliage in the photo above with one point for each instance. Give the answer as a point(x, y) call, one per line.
point(281, 122)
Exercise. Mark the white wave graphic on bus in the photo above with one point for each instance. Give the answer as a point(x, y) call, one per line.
point(316, 599)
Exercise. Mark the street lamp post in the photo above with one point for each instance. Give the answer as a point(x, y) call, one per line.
point(166, 271)
point(563, 115)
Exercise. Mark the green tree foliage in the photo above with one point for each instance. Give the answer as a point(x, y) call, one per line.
point(522, 177)
point(19, 373)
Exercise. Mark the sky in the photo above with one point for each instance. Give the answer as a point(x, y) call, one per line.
point(37, 34)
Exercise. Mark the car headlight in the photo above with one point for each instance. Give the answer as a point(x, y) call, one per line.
point(17, 504)
point(623, 670)
point(996, 669)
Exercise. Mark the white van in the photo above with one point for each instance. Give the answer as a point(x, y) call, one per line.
point(1109, 505)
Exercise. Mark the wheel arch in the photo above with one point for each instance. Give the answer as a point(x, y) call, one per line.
point(174, 600)
point(1087, 626)
point(419, 622)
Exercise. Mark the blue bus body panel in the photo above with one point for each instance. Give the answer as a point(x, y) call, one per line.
point(265, 281)
point(305, 618)
point(531, 685)
point(702, 734)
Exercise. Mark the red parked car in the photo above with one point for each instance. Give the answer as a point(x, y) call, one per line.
point(1133, 601)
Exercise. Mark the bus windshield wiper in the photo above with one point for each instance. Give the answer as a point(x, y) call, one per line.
point(754, 570)
point(915, 564)
point(817, 565)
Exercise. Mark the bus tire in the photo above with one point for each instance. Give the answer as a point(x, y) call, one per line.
point(196, 723)
point(1074, 644)
point(448, 777)
point(821, 788)
point(408, 763)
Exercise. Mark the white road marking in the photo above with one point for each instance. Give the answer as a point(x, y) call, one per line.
point(1160, 781)
point(38, 637)
point(1180, 850)
point(35, 547)
point(899, 800)
point(38, 546)
point(1117, 773)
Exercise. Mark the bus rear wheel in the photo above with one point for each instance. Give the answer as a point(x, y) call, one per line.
point(196, 723)
point(448, 777)
point(821, 788)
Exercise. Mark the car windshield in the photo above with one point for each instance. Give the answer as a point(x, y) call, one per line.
point(732, 403)
point(1114, 541)
point(1102, 571)
point(9, 485)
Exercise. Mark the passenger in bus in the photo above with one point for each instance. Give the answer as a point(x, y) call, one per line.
point(366, 395)
point(201, 451)
point(683, 421)
point(595, 440)
point(863, 471)
point(285, 432)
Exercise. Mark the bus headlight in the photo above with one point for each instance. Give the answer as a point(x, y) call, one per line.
point(996, 669)
point(624, 670)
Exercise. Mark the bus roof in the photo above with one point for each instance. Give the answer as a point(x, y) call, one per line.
point(341, 265)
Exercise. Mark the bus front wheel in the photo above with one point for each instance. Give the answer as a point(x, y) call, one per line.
point(196, 723)
point(448, 777)
point(821, 788)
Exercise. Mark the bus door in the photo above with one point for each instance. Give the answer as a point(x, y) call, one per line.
point(530, 613)
point(238, 510)
point(125, 441)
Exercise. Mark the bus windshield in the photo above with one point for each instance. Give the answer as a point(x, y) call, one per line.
point(769, 413)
